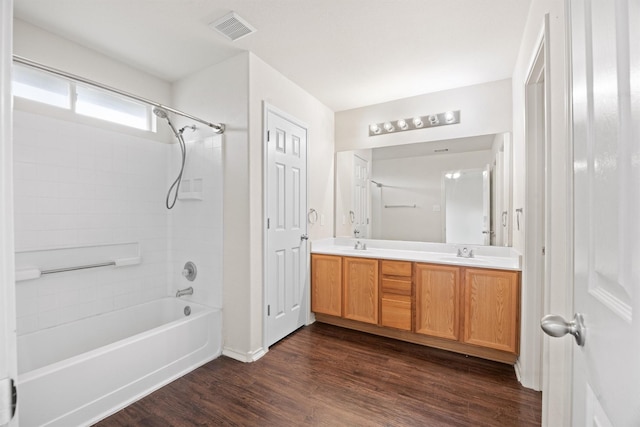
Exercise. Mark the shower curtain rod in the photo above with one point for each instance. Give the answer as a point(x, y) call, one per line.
point(217, 127)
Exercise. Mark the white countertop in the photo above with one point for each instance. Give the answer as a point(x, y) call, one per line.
point(502, 258)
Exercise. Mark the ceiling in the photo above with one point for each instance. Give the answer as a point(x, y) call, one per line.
point(346, 53)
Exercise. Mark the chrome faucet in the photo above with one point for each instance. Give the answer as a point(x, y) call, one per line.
point(359, 246)
point(186, 291)
point(465, 253)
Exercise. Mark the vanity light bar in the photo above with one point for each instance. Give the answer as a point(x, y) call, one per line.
point(413, 123)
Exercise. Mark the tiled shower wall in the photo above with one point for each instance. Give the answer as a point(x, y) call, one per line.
point(196, 224)
point(78, 185)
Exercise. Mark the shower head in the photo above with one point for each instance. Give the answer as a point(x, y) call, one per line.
point(160, 112)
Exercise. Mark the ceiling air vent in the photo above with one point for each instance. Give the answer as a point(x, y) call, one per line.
point(232, 26)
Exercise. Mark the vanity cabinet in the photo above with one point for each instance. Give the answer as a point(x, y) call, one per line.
point(474, 311)
point(438, 301)
point(491, 309)
point(326, 284)
point(396, 294)
point(360, 289)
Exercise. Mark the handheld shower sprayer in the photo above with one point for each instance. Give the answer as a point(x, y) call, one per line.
point(175, 187)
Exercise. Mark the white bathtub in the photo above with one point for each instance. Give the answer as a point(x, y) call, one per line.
point(81, 372)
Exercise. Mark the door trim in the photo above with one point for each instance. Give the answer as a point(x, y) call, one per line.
point(535, 274)
point(266, 109)
point(8, 358)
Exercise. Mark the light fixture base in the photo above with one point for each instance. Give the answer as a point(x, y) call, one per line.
point(414, 123)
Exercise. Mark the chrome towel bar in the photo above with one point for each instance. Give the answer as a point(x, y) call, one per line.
point(36, 273)
point(80, 267)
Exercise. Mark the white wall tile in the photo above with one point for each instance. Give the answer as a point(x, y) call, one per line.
point(78, 185)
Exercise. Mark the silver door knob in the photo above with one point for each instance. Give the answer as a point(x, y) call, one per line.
point(556, 326)
point(304, 237)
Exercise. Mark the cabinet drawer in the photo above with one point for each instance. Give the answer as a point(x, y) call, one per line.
point(395, 286)
point(396, 314)
point(396, 268)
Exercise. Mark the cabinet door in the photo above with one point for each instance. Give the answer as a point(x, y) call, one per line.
point(326, 284)
point(492, 309)
point(360, 290)
point(438, 300)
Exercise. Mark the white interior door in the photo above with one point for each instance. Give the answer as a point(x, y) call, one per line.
point(606, 108)
point(486, 205)
point(286, 235)
point(360, 194)
point(8, 349)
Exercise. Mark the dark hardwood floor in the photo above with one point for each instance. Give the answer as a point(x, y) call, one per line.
point(323, 375)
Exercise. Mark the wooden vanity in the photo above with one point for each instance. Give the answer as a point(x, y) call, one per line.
point(469, 310)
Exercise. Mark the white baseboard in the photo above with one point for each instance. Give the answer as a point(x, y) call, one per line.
point(246, 357)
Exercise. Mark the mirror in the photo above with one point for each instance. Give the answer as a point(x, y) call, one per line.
point(450, 191)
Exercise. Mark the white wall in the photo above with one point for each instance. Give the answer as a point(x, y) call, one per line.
point(267, 85)
point(220, 93)
point(416, 180)
point(484, 109)
point(556, 381)
point(233, 92)
point(42, 46)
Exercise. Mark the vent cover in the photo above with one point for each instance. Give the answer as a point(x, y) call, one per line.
point(232, 26)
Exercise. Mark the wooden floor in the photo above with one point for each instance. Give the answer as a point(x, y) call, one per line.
point(323, 375)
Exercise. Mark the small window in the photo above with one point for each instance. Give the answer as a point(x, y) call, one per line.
point(41, 87)
point(111, 107)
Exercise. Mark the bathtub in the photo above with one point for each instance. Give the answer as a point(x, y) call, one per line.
point(78, 373)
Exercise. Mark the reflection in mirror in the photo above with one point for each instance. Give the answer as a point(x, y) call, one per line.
point(399, 192)
point(466, 206)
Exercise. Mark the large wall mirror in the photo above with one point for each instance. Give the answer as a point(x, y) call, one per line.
point(451, 191)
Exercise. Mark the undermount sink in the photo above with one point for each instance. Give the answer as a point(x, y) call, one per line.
point(462, 260)
point(358, 251)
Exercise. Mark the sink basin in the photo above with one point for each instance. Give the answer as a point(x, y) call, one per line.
point(361, 252)
point(462, 260)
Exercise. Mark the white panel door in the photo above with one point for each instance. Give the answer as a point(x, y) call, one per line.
point(360, 195)
point(486, 205)
point(286, 203)
point(605, 38)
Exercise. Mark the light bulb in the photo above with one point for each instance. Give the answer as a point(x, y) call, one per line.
point(375, 129)
point(402, 124)
point(389, 127)
point(417, 122)
point(433, 120)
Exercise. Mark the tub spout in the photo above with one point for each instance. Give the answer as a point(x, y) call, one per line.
point(186, 291)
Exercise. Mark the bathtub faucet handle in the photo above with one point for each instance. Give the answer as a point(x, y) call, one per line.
point(190, 271)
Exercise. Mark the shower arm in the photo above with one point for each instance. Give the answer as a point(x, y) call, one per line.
point(217, 127)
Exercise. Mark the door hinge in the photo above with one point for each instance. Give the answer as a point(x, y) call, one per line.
point(268, 135)
point(268, 310)
point(268, 223)
point(544, 250)
point(8, 400)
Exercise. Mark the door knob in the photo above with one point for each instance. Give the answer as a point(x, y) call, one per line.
point(556, 326)
point(304, 237)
